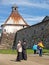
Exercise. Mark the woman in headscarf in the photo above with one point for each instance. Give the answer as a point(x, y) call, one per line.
point(24, 53)
point(19, 51)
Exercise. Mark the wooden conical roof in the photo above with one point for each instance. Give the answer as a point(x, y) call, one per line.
point(16, 17)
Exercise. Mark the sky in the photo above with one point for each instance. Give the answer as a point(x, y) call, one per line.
point(33, 11)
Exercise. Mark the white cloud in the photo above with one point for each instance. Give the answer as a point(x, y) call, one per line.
point(35, 3)
point(35, 18)
point(42, 4)
point(6, 2)
point(26, 15)
point(32, 18)
point(38, 5)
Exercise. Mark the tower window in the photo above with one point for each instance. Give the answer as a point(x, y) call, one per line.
point(15, 8)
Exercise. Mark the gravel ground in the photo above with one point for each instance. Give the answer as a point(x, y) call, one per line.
point(9, 59)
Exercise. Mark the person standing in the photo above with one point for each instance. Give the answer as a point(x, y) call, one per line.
point(40, 45)
point(24, 52)
point(40, 51)
point(35, 48)
point(19, 51)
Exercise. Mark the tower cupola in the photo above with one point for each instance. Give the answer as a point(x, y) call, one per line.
point(14, 8)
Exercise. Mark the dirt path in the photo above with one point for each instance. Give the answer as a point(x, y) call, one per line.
point(8, 59)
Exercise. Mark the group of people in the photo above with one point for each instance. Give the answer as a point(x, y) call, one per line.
point(38, 48)
point(21, 51)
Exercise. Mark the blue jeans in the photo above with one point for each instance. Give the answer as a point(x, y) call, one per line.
point(40, 52)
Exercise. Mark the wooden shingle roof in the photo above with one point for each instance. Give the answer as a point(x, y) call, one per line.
point(16, 17)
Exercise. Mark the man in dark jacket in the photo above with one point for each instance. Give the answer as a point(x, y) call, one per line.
point(24, 53)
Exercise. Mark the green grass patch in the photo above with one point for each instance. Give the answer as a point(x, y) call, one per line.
point(45, 50)
point(7, 51)
point(10, 51)
point(29, 51)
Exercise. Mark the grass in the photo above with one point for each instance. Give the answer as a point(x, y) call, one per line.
point(10, 51)
point(29, 51)
point(46, 51)
point(7, 51)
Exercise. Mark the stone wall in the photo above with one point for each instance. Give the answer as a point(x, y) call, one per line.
point(33, 34)
point(6, 41)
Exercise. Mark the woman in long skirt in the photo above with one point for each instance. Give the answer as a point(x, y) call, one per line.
point(19, 51)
